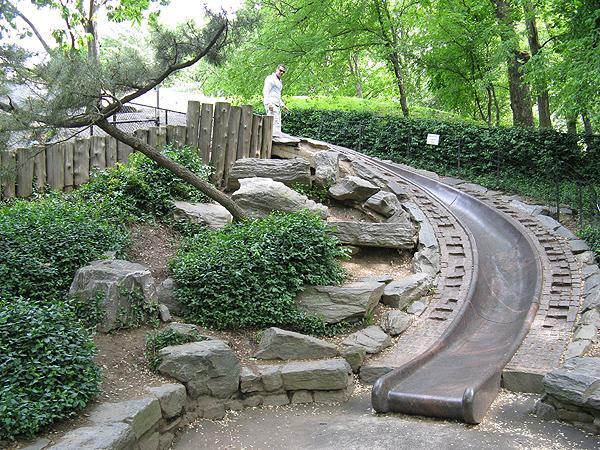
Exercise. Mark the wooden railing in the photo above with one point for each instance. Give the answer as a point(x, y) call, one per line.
point(222, 133)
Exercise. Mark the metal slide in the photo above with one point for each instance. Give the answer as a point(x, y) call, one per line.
point(459, 376)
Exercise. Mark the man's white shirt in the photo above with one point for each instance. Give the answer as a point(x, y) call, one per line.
point(272, 91)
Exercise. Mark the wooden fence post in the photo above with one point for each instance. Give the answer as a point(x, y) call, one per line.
point(98, 152)
point(39, 168)
point(245, 132)
point(142, 135)
point(267, 137)
point(81, 162)
point(176, 135)
point(69, 158)
point(206, 119)
point(123, 152)
point(232, 140)
point(220, 128)
point(55, 166)
point(256, 140)
point(192, 120)
point(8, 166)
point(111, 151)
point(25, 172)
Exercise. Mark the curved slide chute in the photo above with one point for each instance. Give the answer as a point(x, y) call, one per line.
point(459, 376)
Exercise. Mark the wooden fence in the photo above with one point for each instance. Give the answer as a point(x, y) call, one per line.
point(222, 133)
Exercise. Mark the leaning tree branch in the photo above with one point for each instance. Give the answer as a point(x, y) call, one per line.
point(180, 171)
point(31, 25)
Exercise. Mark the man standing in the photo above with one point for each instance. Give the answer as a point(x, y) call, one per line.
point(272, 98)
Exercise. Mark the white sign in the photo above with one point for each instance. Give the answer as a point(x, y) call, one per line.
point(433, 139)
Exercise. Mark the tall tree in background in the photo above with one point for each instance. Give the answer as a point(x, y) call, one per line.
point(73, 85)
point(520, 101)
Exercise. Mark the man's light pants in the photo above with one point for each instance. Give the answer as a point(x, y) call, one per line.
point(276, 113)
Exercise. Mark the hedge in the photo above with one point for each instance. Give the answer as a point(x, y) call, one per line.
point(542, 153)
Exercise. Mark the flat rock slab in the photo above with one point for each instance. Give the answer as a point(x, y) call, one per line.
point(352, 188)
point(140, 414)
point(115, 280)
point(337, 303)
point(400, 294)
point(373, 339)
point(282, 344)
point(366, 234)
point(287, 171)
point(577, 382)
point(323, 374)
point(113, 436)
point(207, 368)
point(211, 215)
point(260, 196)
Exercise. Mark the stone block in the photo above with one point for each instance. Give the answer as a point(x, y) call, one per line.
point(276, 400)
point(300, 397)
point(325, 374)
point(282, 344)
point(171, 397)
point(400, 294)
point(113, 436)
point(373, 339)
point(370, 374)
point(140, 414)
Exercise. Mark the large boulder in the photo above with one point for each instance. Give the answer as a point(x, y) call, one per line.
point(327, 168)
point(384, 203)
point(366, 234)
point(373, 339)
point(165, 294)
point(352, 188)
point(260, 196)
point(287, 171)
point(211, 215)
point(337, 303)
point(120, 284)
point(400, 294)
point(282, 344)
point(206, 368)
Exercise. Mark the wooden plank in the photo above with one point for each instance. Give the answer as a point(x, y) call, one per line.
point(192, 121)
point(111, 151)
point(81, 162)
point(219, 144)
point(8, 172)
point(141, 134)
point(55, 166)
point(176, 135)
point(69, 158)
point(153, 137)
point(161, 137)
point(25, 172)
point(123, 152)
point(206, 120)
point(233, 129)
point(256, 139)
point(98, 152)
point(267, 138)
point(245, 132)
point(39, 168)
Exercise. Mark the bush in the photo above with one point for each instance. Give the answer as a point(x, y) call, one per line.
point(592, 236)
point(142, 188)
point(46, 367)
point(44, 242)
point(540, 153)
point(165, 338)
point(248, 274)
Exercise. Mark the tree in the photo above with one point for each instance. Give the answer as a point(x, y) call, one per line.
point(73, 84)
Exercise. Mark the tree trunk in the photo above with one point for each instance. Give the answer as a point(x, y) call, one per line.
point(178, 170)
point(399, 82)
point(520, 102)
point(355, 71)
point(543, 101)
point(587, 125)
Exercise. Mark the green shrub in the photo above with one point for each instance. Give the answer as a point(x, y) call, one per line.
point(165, 338)
point(592, 236)
point(317, 193)
point(142, 188)
point(46, 366)
point(44, 242)
point(248, 274)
